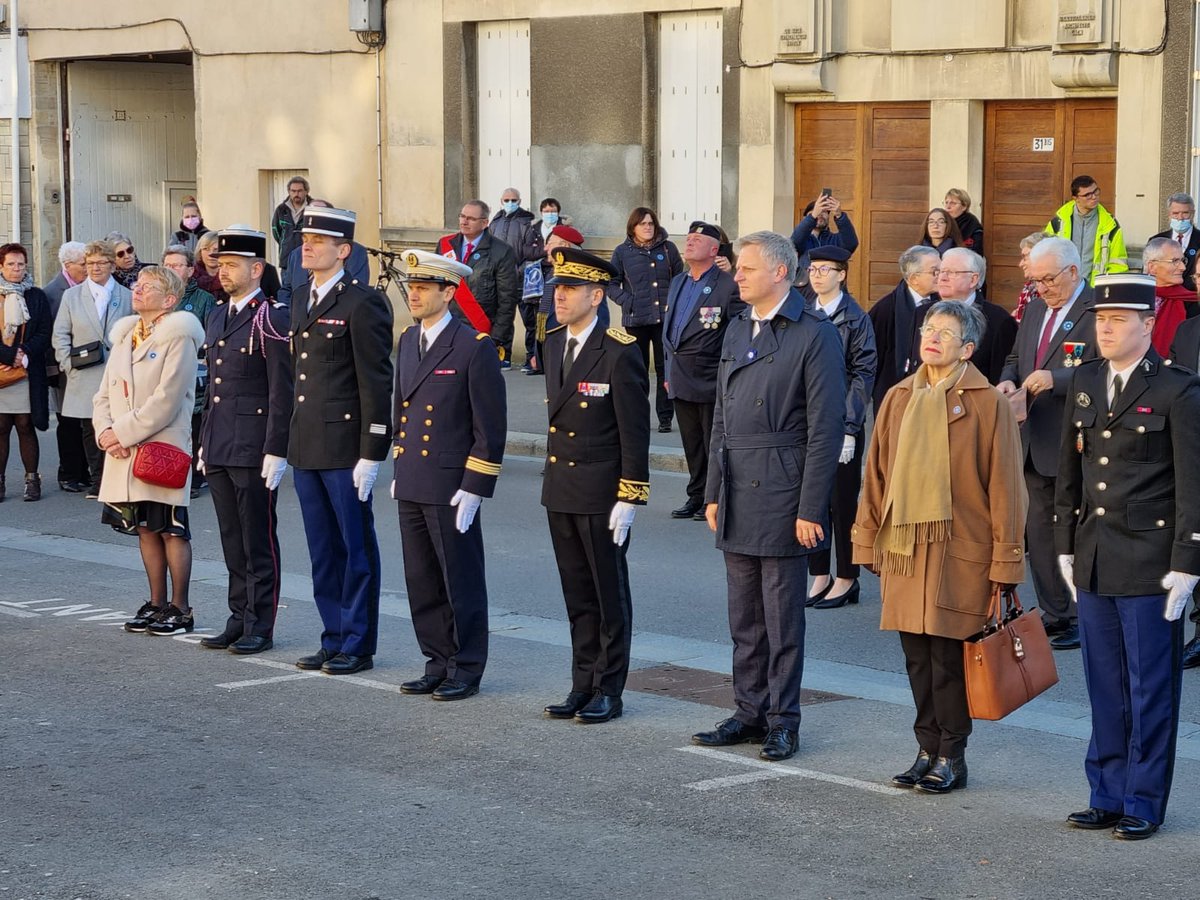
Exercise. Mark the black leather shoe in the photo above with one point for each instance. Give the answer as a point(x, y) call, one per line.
point(1068, 639)
point(314, 661)
point(780, 743)
point(1133, 828)
point(601, 708)
point(251, 643)
point(576, 700)
point(347, 664)
point(453, 689)
point(219, 641)
point(1093, 819)
point(687, 511)
point(700, 515)
point(1191, 653)
point(916, 772)
point(1055, 626)
point(72, 487)
point(731, 731)
point(173, 619)
point(426, 684)
point(944, 776)
point(813, 599)
point(827, 602)
point(663, 428)
point(143, 618)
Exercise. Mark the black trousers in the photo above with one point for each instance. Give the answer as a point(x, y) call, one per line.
point(595, 583)
point(939, 687)
point(529, 319)
point(447, 591)
point(695, 429)
point(766, 622)
point(843, 507)
point(250, 542)
point(1053, 596)
point(91, 450)
point(72, 460)
point(649, 338)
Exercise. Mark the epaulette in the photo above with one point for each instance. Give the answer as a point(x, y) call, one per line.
point(481, 335)
point(275, 304)
point(621, 337)
point(555, 328)
point(408, 329)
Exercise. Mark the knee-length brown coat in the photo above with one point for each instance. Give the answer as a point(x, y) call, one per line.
point(948, 593)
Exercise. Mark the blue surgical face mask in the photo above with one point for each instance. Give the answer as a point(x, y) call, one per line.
point(550, 218)
point(1179, 226)
point(511, 206)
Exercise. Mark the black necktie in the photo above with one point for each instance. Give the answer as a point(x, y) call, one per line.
point(1118, 385)
point(423, 347)
point(313, 302)
point(569, 359)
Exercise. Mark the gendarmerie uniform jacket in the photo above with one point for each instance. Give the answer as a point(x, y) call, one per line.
point(249, 407)
point(598, 449)
point(691, 364)
point(778, 429)
point(450, 414)
point(342, 350)
point(857, 336)
point(1127, 502)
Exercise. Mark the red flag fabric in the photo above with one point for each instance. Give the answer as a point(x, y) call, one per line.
point(462, 294)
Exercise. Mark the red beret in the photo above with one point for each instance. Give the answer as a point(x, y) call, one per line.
point(567, 233)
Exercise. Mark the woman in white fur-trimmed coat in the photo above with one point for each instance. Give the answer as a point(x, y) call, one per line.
point(146, 394)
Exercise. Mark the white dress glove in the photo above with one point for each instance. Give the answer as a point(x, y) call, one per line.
point(1179, 587)
point(200, 467)
point(620, 520)
point(468, 505)
point(848, 444)
point(393, 489)
point(272, 470)
point(365, 473)
point(1066, 565)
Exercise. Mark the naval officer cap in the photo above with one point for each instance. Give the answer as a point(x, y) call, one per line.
point(705, 229)
point(829, 254)
point(573, 266)
point(241, 240)
point(1124, 291)
point(421, 265)
point(338, 223)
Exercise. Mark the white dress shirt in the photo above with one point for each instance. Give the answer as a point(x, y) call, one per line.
point(432, 333)
point(236, 306)
point(758, 320)
point(580, 338)
point(1124, 373)
point(323, 289)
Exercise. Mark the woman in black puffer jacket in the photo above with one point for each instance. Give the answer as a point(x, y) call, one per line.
point(646, 262)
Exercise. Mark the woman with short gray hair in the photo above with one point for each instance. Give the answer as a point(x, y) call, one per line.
point(1029, 289)
point(942, 522)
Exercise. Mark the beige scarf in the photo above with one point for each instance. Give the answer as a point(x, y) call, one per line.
point(918, 505)
point(16, 314)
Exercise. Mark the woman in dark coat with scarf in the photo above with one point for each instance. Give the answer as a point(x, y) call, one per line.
point(24, 403)
point(646, 262)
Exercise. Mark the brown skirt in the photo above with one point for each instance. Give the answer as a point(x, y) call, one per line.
point(161, 518)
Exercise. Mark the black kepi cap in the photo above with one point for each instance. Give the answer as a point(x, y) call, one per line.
point(1125, 291)
point(338, 223)
point(240, 241)
point(572, 266)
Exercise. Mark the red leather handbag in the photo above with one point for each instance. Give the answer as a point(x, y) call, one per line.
point(162, 464)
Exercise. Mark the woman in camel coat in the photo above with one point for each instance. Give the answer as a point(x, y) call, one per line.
point(942, 519)
point(147, 394)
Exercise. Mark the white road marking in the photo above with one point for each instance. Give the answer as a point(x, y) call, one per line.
point(253, 682)
point(19, 613)
point(781, 770)
point(349, 679)
point(713, 784)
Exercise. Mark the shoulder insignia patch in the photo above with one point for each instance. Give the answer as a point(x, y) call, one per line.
point(555, 328)
point(480, 335)
point(621, 337)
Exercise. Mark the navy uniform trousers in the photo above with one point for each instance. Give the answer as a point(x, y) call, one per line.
point(345, 559)
point(250, 542)
point(1135, 705)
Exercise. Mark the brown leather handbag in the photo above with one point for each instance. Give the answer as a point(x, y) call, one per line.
point(1008, 663)
point(162, 464)
point(13, 374)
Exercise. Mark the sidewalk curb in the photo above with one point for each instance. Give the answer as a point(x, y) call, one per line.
point(520, 443)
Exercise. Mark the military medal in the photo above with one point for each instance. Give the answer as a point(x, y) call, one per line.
point(1079, 441)
point(710, 316)
point(1073, 353)
point(593, 389)
point(1082, 400)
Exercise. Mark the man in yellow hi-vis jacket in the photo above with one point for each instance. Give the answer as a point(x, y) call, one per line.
point(1091, 228)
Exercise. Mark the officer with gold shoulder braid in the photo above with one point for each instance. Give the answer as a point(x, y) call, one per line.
point(450, 427)
point(1127, 528)
point(341, 430)
point(597, 474)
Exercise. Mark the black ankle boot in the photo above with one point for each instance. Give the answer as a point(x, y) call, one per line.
point(916, 772)
point(944, 776)
point(33, 487)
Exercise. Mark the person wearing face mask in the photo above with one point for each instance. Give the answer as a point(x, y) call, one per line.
point(510, 222)
point(191, 227)
point(532, 254)
point(1181, 212)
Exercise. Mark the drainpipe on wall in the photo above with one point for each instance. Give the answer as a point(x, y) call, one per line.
point(16, 125)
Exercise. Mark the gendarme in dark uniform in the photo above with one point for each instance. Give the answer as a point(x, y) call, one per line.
point(451, 423)
point(244, 440)
point(778, 430)
point(1127, 509)
point(700, 304)
point(597, 473)
point(341, 432)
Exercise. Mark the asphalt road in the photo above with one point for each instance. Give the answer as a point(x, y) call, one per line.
point(145, 767)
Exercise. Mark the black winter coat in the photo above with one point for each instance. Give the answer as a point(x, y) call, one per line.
point(35, 343)
point(643, 279)
point(511, 230)
point(858, 347)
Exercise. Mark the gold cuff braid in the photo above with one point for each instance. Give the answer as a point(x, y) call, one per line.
point(633, 491)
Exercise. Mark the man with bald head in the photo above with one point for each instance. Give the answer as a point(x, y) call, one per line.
point(961, 278)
